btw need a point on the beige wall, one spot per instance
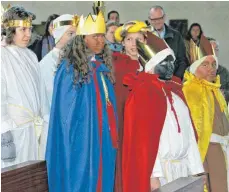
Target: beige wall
(213, 16)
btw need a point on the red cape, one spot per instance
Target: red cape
(144, 117)
(123, 65)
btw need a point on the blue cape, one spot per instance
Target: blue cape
(73, 148)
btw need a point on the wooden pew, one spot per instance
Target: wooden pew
(30, 176)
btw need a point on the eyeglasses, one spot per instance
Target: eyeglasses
(157, 19)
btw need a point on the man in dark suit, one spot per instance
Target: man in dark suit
(173, 38)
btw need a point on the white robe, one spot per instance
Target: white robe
(48, 66)
(23, 110)
(178, 154)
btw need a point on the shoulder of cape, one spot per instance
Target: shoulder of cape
(192, 92)
(5, 50)
(177, 80)
(63, 68)
(152, 88)
(119, 56)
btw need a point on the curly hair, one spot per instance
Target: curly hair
(14, 13)
(77, 54)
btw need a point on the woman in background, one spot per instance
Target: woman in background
(192, 39)
(46, 44)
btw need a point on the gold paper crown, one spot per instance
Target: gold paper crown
(74, 22)
(15, 23)
(197, 52)
(153, 46)
(19, 23)
(91, 25)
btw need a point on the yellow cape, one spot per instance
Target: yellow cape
(200, 99)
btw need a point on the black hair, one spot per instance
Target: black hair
(109, 14)
(189, 36)
(48, 22)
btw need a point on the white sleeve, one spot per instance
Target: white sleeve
(48, 67)
(45, 112)
(194, 160)
(157, 170)
(6, 122)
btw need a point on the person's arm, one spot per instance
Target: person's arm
(156, 174)
(224, 79)
(187, 48)
(181, 60)
(157, 170)
(44, 106)
(7, 141)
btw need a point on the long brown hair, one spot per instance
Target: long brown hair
(77, 54)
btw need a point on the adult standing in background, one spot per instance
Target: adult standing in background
(47, 42)
(113, 16)
(192, 39)
(173, 38)
(111, 26)
(222, 71)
